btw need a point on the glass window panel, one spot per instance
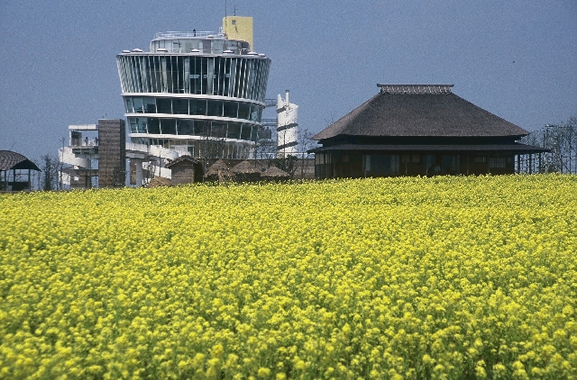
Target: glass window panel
(137, 102)
(153, 126)
(197, 107)
(180, 106)
(255, 113)
(218, 129)
(214, 108)
(141, 125)
(245, 134)
(233, 130)
(133, 126)
(202, 128)
(230, 109)
(163, 105)
(185, 127)
(168, 126)
(149, 105)
(128, 104)
(243, 111)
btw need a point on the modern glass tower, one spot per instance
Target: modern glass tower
(196, 92)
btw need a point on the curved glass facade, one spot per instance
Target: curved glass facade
(189, 89)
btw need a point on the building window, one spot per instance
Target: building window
(180, 106)
(497, 162)
(163, 105)
(198, 107)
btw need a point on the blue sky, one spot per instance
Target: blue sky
(516, 59)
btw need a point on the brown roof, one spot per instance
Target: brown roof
(13, 160)
(419, 110)
(182, 159)
(220, 172)
(274, 172)
(245, 167)
(215, 168)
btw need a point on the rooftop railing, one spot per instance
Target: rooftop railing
(193, 34)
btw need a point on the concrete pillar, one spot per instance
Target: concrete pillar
(138, 166)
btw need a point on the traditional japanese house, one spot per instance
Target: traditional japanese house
(418, 130)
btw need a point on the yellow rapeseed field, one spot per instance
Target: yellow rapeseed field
(399, 278)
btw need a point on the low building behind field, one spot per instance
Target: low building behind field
(419, 130)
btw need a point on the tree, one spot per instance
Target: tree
(49, 177)
(561, 140)
(306, 143)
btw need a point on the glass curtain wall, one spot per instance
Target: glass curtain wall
(237, 77)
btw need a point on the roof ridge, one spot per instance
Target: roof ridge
(436, 89)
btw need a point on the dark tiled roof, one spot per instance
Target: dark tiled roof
(183, 159)
(13, 160)
(510, 148)
(420, 110)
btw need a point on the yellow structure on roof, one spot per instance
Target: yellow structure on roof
(238, 28)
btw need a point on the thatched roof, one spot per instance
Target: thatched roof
(159, 182)
(419, 111)
(275, 173)
(12, 160)
(220, 172)
(245, 167)
(217, 167)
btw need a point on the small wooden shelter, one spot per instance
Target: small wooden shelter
(219, 172)
(185, 169)
(246, 172)
(15, 171)
(274, 174)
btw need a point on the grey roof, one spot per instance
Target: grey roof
(512, 148)
(419, 110)
(12, 160)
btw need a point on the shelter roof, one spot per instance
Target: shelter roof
(217, 167)
(12, 160)
(184, 158)
(274, 172)
(420, 110)
(245, 167)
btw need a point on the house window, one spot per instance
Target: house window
(382, 164)
(479, 159)
(411, 158)
(497, 162)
